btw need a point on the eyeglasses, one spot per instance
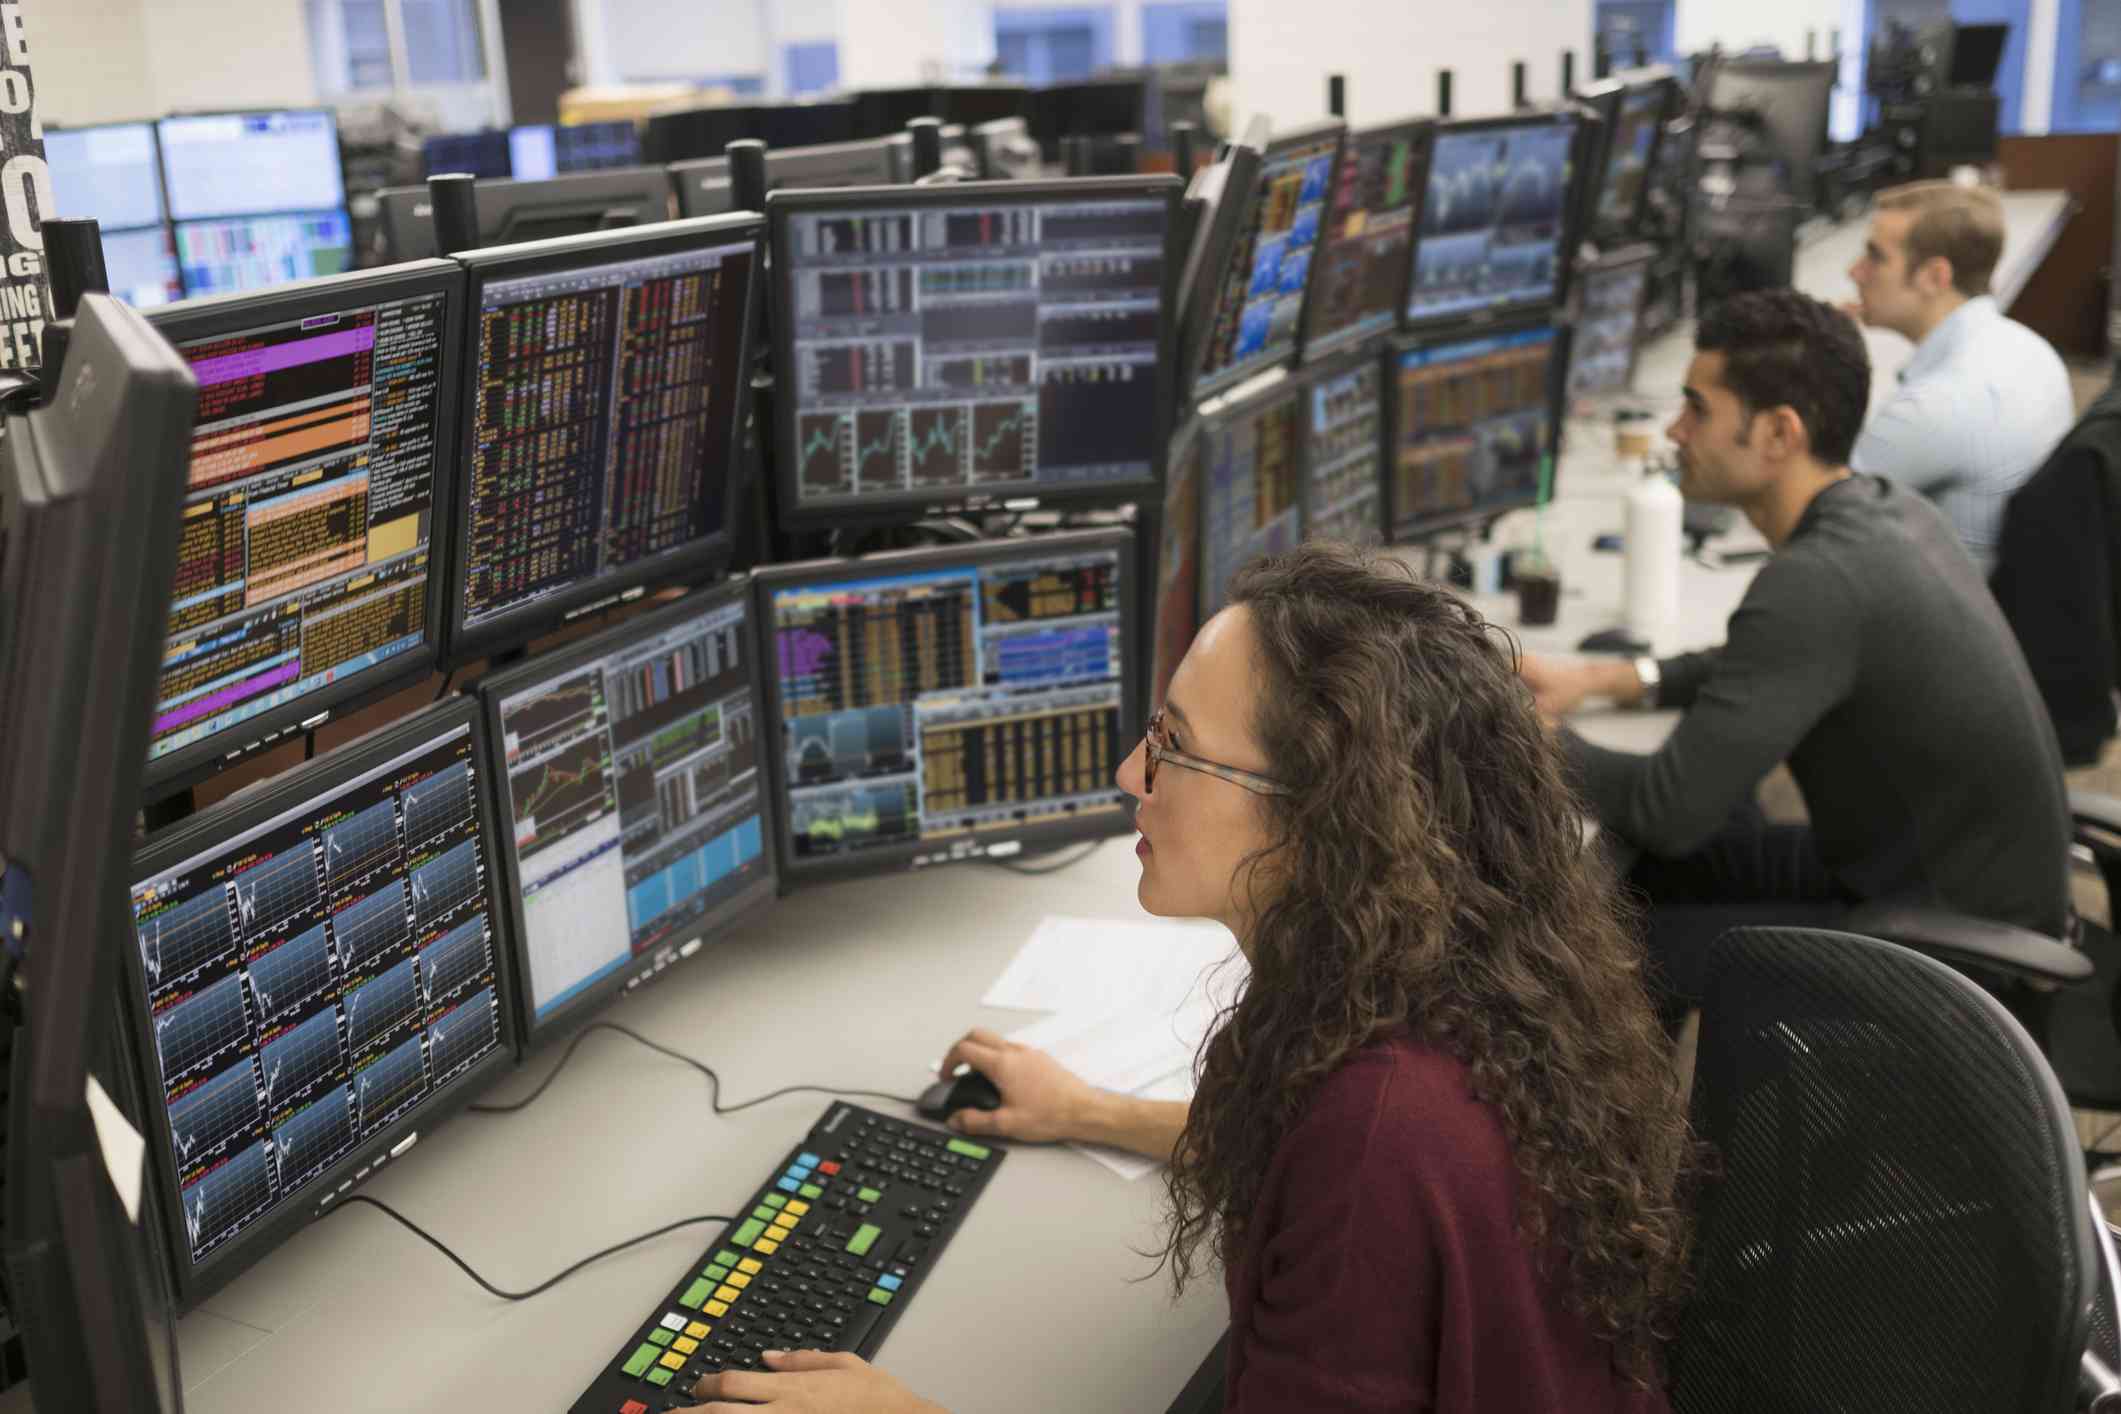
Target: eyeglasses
(1161, 750)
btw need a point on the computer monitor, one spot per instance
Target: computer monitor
(787, 125)
(89, 492)
(316, 977)
(957, 152)
(1251, 485)
(1258, 311)
(1471, 420)
(1609, 323)
(880, 112)
(113, 176)
(1176, 607)
(1344, 450)
(962, 345)
(320, 466)
(1220, 198)
(936, 705)
(1491, 240)
(1783, 109)
(703, 186)
(243, 253)
(580, 147)
(682, 134)
(482, 154)
(1363, 253)
(634, 806)
(1630, 143)
(512, 212)
(1976, 54)
(258, 198)
(1090, 108)
(974, 104)
(603, 392)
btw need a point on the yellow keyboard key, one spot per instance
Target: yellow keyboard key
(684, 1345)
(766, 1246)
(780, 1234)
(717, 1308)
(727, 1293)
(699, 1330)
(751, 1266)
(672, 1360)
(798, 1207)
(739, 1280)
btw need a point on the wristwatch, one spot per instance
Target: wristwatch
(1652, 679)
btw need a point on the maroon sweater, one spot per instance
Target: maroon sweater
(1384, 1270)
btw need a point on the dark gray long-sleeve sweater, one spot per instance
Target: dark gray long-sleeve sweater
(1869, 655)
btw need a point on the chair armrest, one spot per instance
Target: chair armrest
(2101, 812)
(1962, 940)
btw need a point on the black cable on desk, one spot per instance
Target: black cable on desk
(544, 1286)
(1051, 866)
(707, 1070)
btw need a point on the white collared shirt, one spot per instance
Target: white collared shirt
(1979, 407)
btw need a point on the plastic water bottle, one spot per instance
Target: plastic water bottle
(1653, 541)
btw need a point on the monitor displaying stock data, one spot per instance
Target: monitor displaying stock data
(112, 175)
(1608, 324)
(636, 816)
(1473, 418)
(1259, 306)
(315, 974)
(1490, 239)
(258, 198)
(962, 345)
(306, 563)
(1369, 232)
(1343, 457)
(1631, 148)
(1251, 486)
(602, 398)
(937, 705)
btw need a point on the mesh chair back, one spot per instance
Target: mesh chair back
(1897, 1218)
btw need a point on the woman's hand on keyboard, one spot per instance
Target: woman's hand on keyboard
(809, 1382)
(1042, 1100)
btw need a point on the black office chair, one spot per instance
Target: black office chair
(1898, 1219)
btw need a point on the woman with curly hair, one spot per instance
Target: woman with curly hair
(1436, 1141)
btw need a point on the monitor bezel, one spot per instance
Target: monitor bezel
(1210, 599)
(782, 206)
(338, 161)
(1641, 255)
(1491, 319)
(1399, 531)
(916, 855)
(409, 210)
(211, 316)
(685, 565)
(194, 1282)
(1379, 356)
(574, 656)
(1334, 345)
(1202, 385)
(1660, 81)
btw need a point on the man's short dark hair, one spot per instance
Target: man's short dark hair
(1780, 349)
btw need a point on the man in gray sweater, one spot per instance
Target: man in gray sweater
(1868, 654)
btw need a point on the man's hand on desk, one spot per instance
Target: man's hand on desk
(1043, 1101)
(809, 1382)
(1559, 688)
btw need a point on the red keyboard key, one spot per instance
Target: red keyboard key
(828, 1168)
(633, 1406)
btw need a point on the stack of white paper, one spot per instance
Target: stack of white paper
(1129, 1003)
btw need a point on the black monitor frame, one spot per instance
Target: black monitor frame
(572, 657)
(1659, 81)
(1228, 188)
(682, 134)
(828, 122)
(311, 781)
(1201, 385)
(1627, 258)
(1448, 323)
(1422, 133)
(216, 315)
(687, 564)
(1399, 530)
(826, 165)
(782, 206)
(408, 212)
(897, 858)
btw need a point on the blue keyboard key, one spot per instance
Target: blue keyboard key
(788, 1185)
(800, 1175)
(890, 1283)
(808, 1161)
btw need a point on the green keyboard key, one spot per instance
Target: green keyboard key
(880, 1296)
(660, 1376)
(696, 1294)
(725, 1258)
(864, 1238)
(748, 1233)
(969, 1150)
(716, 1274)
(763, 1213)
(775, 1200)
(661, 1337)
(811, 1190)
(868, 1195)
(642, 1360)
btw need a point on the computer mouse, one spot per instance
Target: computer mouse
(1613, 640)
(970, 1091)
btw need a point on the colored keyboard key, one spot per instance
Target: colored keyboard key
(864, 1238)
(966, 1149)
(643, 1360)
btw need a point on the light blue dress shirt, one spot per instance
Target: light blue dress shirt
(1979, 407)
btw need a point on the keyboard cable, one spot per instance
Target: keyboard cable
(703, 1068)
(544, 1286)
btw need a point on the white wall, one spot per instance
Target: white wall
(891, 43)
(90, 62)
(1282, 50)
(682, 39)
(1736, 24)
(101, 60)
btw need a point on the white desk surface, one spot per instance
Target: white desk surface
(1041, 1302)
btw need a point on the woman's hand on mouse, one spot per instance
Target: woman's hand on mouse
(808, 1382)
(1042, 1099)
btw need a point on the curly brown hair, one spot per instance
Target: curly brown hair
(1430, 874)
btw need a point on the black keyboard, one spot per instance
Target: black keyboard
(824, 1257)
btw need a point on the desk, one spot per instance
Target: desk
(1034, 1305)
